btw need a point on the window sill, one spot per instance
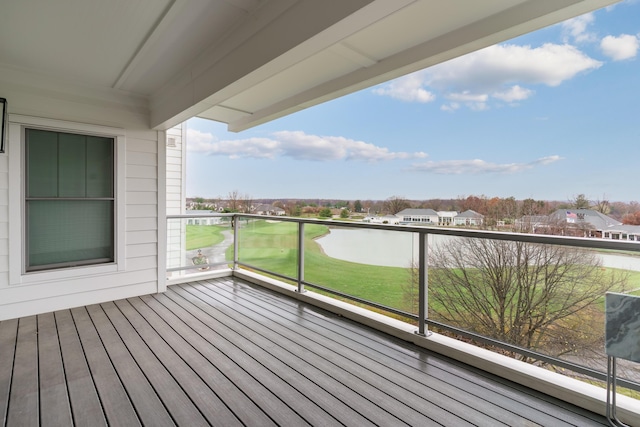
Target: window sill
(36, 277)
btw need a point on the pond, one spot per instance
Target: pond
(398, 249)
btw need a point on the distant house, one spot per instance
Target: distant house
(529, 223)
(580, 223)
(446, 217)
(265, 209)
(468, 217)
(203, 220)
(584, 216)
(622, 232)
(422, 216)
(386, 219)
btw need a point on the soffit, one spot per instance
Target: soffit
(244, 62)
(417, 35)
(89, 42)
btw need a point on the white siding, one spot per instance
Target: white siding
(176, 198)
(139, 228)
(4, 219)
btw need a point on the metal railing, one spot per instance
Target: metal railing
(424, 233)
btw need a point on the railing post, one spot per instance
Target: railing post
(235, 223)
(301, 257)
(423, 280)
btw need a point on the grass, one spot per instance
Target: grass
(273, 246)
(201, 236)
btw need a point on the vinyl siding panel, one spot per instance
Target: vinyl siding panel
(142, 184)
(4, 220)
(140, 224)
(175, 188)
(143, 249)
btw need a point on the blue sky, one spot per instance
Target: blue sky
(549, 115)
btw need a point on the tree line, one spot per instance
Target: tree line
(495, 210)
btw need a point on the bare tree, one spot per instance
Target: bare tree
(233, 200)
(395, 204)
(532, 207)
(246, 203)
(531, 295)
(237, 202)
(602, 205)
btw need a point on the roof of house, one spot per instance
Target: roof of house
(625, 228)
(418, 212)
(469, 214)
(598, 220)
(266, 207)
(241, 62)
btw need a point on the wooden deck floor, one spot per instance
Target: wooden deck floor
(226, 353)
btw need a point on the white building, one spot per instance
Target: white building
(468, 217)
(446, 218)
(422, 216)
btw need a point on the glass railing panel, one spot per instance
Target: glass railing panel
(541, 297)
(370, 264)
(269, 245)
(198, 244)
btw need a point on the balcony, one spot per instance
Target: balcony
(226, 352)
(269, 342)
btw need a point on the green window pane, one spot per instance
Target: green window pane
(77, 226)
(99, 167)
(72, 165)
(64, 231)
(42, 163)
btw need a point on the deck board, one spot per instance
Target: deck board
(346, 374)
(116, 406)
(470, 388)
(224, 352)
(8, 334)
(87, 408)
(54, 397)
(23, 399)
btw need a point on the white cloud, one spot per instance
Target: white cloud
(577, 29)
(494, 67)
(467, 96)
(409, 88)
(497, 72)
(297, 145)
(206, 143)
(478, 166)
(451, 107)
(513, 94)
(620, 48)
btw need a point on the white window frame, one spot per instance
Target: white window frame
(17, 262)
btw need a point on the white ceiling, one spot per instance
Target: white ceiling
(244, 62)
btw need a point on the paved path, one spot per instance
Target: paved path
(215, 253)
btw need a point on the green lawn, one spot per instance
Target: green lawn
(201, 236)
(273, 246)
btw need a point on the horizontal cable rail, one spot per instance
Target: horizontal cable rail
(577, 242)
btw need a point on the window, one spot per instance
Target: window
(69, 199)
